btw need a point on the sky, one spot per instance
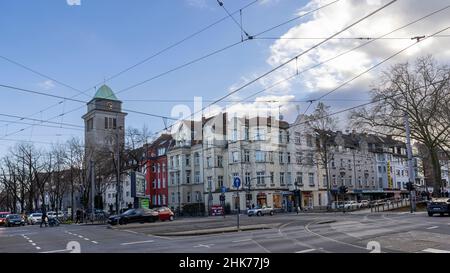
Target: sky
(76, 45)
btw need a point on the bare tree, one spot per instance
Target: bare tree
(324, 124)
(421, 92)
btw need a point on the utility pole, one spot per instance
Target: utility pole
(91, 163)
(118, 171)
(412, 193)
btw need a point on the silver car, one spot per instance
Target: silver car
(34, 218)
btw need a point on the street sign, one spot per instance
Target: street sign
(224, 189)
(237, 182)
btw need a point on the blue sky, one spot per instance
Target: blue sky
(81, 45)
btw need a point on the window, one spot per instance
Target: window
(298, 157)
(260, 134)
(324, 180)
(188, 177)
(173, 197)
(175, 162)
(311, 179)
(109, 195)
(246, 133)
(235, 157)
(110, 123)
(188, 160)
(219, 161)
(287, 137)
(260, 156)
(197, 177)
(310, 159)
(289, 178)
(220, 181)
(247, 179)
(272, 177)
(281, 178)
(379, 169)
(188, 197)
(128, 193)
(172, 180)
(280, 157)
(209, 162)
(288, 157)
(380, 182)
(260, 178)
(280, 136)
(198, 196)
(234, 135)
(196, 159)
(246, 156)
(209, 179)
(90, 124)
(299, 178)
(309, 140)
(297, 139)
(270, 157)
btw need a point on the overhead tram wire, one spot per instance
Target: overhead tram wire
(76, 100)
(348, 51)
(294, 58)
(359, 106)
(216, 52)
(378, 64)
(128, 68)
(183, 65)
(344, 38)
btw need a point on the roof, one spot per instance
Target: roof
(105, 92)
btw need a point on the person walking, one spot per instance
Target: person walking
(78, 219)
(44, 218)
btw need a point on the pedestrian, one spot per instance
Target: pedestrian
(78, 219)
(297, 209)
(44, 219)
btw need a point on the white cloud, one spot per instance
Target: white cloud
(47, 85)
(197, 3)
(73, 2)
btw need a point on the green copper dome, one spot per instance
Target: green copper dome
(104, 92)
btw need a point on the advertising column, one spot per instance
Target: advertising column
(138, 189)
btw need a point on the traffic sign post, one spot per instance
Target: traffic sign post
(237, 184)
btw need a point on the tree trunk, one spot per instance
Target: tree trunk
(436, 172)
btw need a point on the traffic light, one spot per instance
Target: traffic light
(343, 189)
(410, 186)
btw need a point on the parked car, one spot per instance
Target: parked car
(364, 203)
(34, 218)
(3, 215)
(438, 205)
(134, 216)
(14, 220)
(52, 214)
(165, 213)
(260, 211)
(351, 205)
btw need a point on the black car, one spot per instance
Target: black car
(134, 216)
(439, 205)
(14, 220)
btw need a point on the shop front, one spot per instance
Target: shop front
(307, 200)
(261, 199)
(277, 200)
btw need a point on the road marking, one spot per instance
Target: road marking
(33, 244)
(433, 250)
(86, 239)
(201, 245)
(94, 242)
(243, 240)
(140, 242)
(305, 251)
(38, 248)
(30, 241)
(79, 236)
(130, 231)
(55, 251)
(433, 227)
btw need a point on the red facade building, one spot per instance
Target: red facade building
(156, 170)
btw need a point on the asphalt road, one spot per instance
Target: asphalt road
(284, 233)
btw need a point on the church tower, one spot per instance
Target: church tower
(104, 123)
